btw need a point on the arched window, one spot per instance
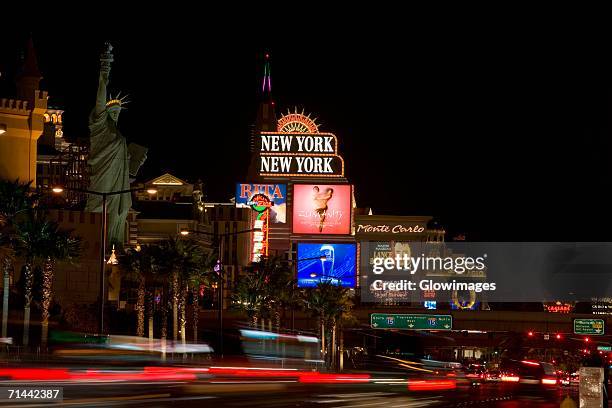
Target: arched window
(54, 118)
(47, 118)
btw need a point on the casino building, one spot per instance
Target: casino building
(305, 205)
(300, 197)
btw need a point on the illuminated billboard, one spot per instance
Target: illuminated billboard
(299, 154)
(333, 263)
(322, 209)
(261, 204)
(277, 193)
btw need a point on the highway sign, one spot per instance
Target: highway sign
(411, 321)
(594, 327)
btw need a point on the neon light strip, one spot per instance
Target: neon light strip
(300, 154)
(301, 175)
(302, 134)
(306, 175)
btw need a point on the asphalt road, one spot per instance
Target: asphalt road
(251, 394)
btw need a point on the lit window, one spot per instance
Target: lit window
(47, 118)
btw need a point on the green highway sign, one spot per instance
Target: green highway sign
(411, 321)
(594, 327)
(604, 348)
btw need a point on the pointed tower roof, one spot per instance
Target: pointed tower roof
(266, 115)
(30, 63)
(28, 80)
(266, 87)
(265, 120)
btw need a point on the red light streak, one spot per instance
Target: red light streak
(333, 378)
(431, 385)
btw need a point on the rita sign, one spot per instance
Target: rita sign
(276, 193)
(268, 201)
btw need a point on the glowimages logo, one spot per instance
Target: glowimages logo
(414, 264)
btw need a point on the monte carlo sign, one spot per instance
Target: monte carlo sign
(390, 228)
(299, 154)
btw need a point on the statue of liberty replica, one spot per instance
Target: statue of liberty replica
(110, 160)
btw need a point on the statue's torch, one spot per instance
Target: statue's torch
(106, 57)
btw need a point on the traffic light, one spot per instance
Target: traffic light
(530, 334)
(558, 336)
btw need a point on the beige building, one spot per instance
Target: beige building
(22, 122)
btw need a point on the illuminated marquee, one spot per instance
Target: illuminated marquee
(393, 229)
(297, 122)
(261, 204)
(299, 154)
(558, 307)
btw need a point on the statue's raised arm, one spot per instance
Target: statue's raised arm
(105, 64)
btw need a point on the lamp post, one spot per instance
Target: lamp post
(103, 227)
(218, 268)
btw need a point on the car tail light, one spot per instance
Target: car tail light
(431, 385)
(510, 378)
(549, 381)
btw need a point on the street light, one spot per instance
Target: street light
(218, 268)
(59, 189)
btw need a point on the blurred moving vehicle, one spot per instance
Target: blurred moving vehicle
(493, 376)
(575, 378)
(476, 374)
(397, 368)
(529, 377)
(120, 349)
(565, 380)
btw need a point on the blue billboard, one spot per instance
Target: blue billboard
(333, 263)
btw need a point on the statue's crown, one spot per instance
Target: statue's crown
(116, 101)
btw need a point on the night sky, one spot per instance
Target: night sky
(502, 134)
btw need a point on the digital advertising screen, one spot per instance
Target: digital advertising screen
(277, 193)
(322, 209)
(321, 262)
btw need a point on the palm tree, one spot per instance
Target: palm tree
(203, 274)
(136, 263)
(60, 245)
(179, 258)
(331, 305)
(15, 198)
(250, 296)
(265, 290)
(279, 281)
(31, 236)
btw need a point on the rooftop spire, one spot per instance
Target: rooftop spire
(266, 86)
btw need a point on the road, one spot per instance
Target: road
(279, 393)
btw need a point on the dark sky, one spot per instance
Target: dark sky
(500, 133)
